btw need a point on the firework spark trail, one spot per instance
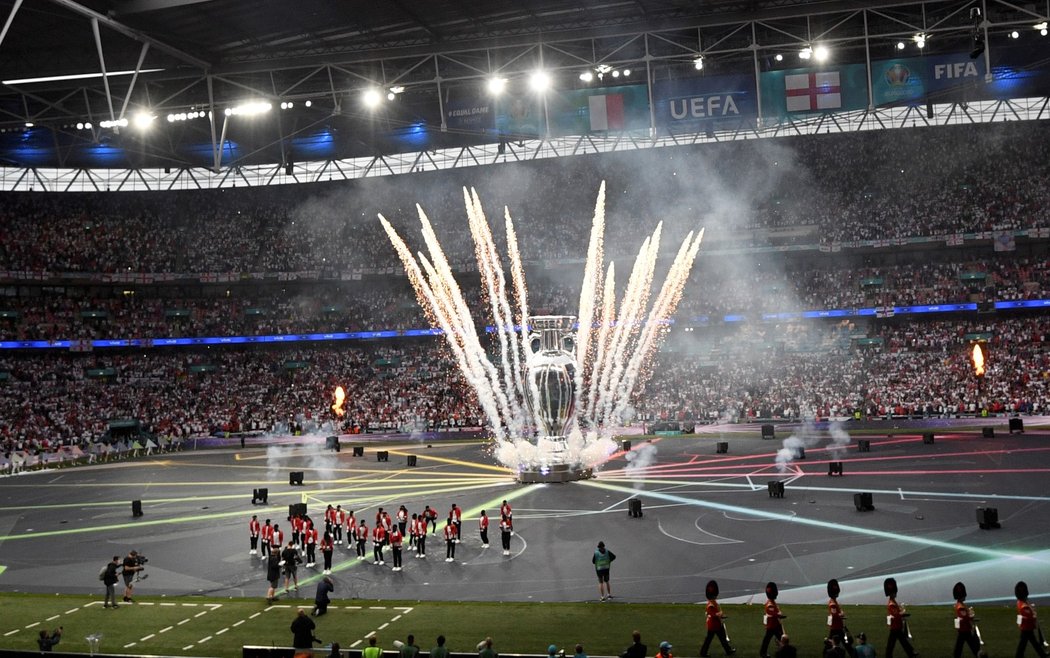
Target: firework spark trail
(521, 295)
(436, 310)
(491, 271)
(656, 327)
(588, 292)
(604, 332)
(635, 299)
(605, 368)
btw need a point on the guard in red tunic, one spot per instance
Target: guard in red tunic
(297, 529)
(329, 519)
(310, 539)
(456, 514)
(431, 515)
(836, 618)
(1027, 622)
(351, 528)
(254, 530)
(505, 532)
(402, 519)
(327, 548)
(395, 539)
(421, 537)
(276, 539)
(965, 624)
(362, 537)
(450, 541)
(483, 527)
(378, 540)
(388, 523)
(771, 619)
(337, 527)
(716, 626)
(505, 510)
(895, 617)
(265, 534)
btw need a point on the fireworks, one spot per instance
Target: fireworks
(339, 396)
(978, 360)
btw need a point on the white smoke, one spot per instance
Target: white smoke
(321, 464)
(840, 440)
(787, 454)
(638, 460)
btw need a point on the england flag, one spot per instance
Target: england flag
(809, 92)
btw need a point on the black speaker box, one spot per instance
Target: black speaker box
(382, 455)
(988, 432)
(834, 468)
(634, 508)
(927, 438)
(295, 478)
(136, 508)
(1016, 425)
(863, 445)
(863, 502)
(260, 496)
(722, 447)
(625, 446)
(776, 488)
(297, 509)
(988, 518)
(359, 451)
(331, 443)
(768, 433)
(410, 460)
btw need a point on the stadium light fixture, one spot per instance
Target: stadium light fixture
(627, 73)
(778, 57)
(496, 85)
(587, 76)
(540, 81)
(371, 98)
(805, 53)
(1041, 27)
(820, 53)
(698, 63)
(615, 74)
(115, 123)
(1015, 34)
(142, 120)
(308, 103)
(900, 45)
(920, 40)
(250, 108)
(29, 124)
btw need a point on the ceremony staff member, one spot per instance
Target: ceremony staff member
(771, 619)
(456, 515)
(297, 529)
(431, 515)
(265, 534)
(395, 547)
(388, 523)
(450, 541)
(964, 623)
(412, 532)
(602, 561)
(378, 540)
(254, 529)
(131, 567)
(273, 576)
(715, 622)
(1027, 622)
(276, 539)
(329, 518)
(505, 510)
(337, 527)
(895, 614)
(836, 623)
(310, 537)
(402, 519)
(290, 558)
(483, 526)
(421, 537)
(351, 528)
(505, 533)
(110, 579)
(321, 599)
(327, 547)
(362, 537)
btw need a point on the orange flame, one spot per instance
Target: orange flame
(340, 396)
(978, 360)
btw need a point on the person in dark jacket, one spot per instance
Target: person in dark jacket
(637, 649)
(110, 581)
(47, 641)
(321, 600)
(273, 576)
(302, 631)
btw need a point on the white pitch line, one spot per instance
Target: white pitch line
(52, 617)
(203, 640)
(377, 607)
(69, 612)
(187, 647)
(236, 624)
(201, 613)
(183, 621)
(8, 633)
(395, 619)
(370, 635)
(255, 615)
(35, 623)
(130, 644)
(143, 639)
(189, 605)
(383, 626)
(166, 629)
(145, 603)
(169, 604)
(355, 644)
(217, 633)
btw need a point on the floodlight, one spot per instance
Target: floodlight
(616, 74)
(626, 72)
(805, 53)
(540, 81)
(496, 85)
(586, 76)
(820, 53)
(778, 57)
(900, 45)
(390, 96)
(371, 98)
(698, 63)
(29, 124)
(142, 120)
(308, 103)
(1015, 34)
(1041, 27)
(920, 40)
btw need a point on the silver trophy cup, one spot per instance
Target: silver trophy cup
(551, 378)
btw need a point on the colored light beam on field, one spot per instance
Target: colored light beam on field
(838, 527)
(503, 470)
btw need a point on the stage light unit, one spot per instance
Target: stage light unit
(900, 45)
(371, 98)
(540, 81)
(29, 124)
(142, 120)
(496, 85)
(778, 57)
(308, 103)
(820, 53)
(1015, 34)
(115, 123)
(615, 74)
(698, 63)
(1041, 27)
(920, 40)
(626, 73)
(587, 76)
(805, 53)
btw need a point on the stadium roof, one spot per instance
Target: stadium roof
(187, 57)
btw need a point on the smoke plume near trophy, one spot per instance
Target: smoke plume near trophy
(554, 392)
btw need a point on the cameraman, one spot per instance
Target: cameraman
(132, 565)
(302, 631)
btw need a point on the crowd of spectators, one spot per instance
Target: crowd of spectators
(869, 185)
(734, 373)
(388, 302)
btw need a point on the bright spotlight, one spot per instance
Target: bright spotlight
(371, 98)
(821, 53)
(540, 81)
(805, 53)
(308, 103)
(284, 105)
(586, 76)
(29, 124)
(228, 111)
(920, 40)
(1015, 34)
(87, 125)
(171, 118)
(496, 85)
(1041, 27)
(626, 72)
(900, 45)
(698, 63)
(778, 57)
(80, 126)
(616, 74)
(142, 120)
(390, 96)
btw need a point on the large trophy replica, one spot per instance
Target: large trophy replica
(550, 378)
